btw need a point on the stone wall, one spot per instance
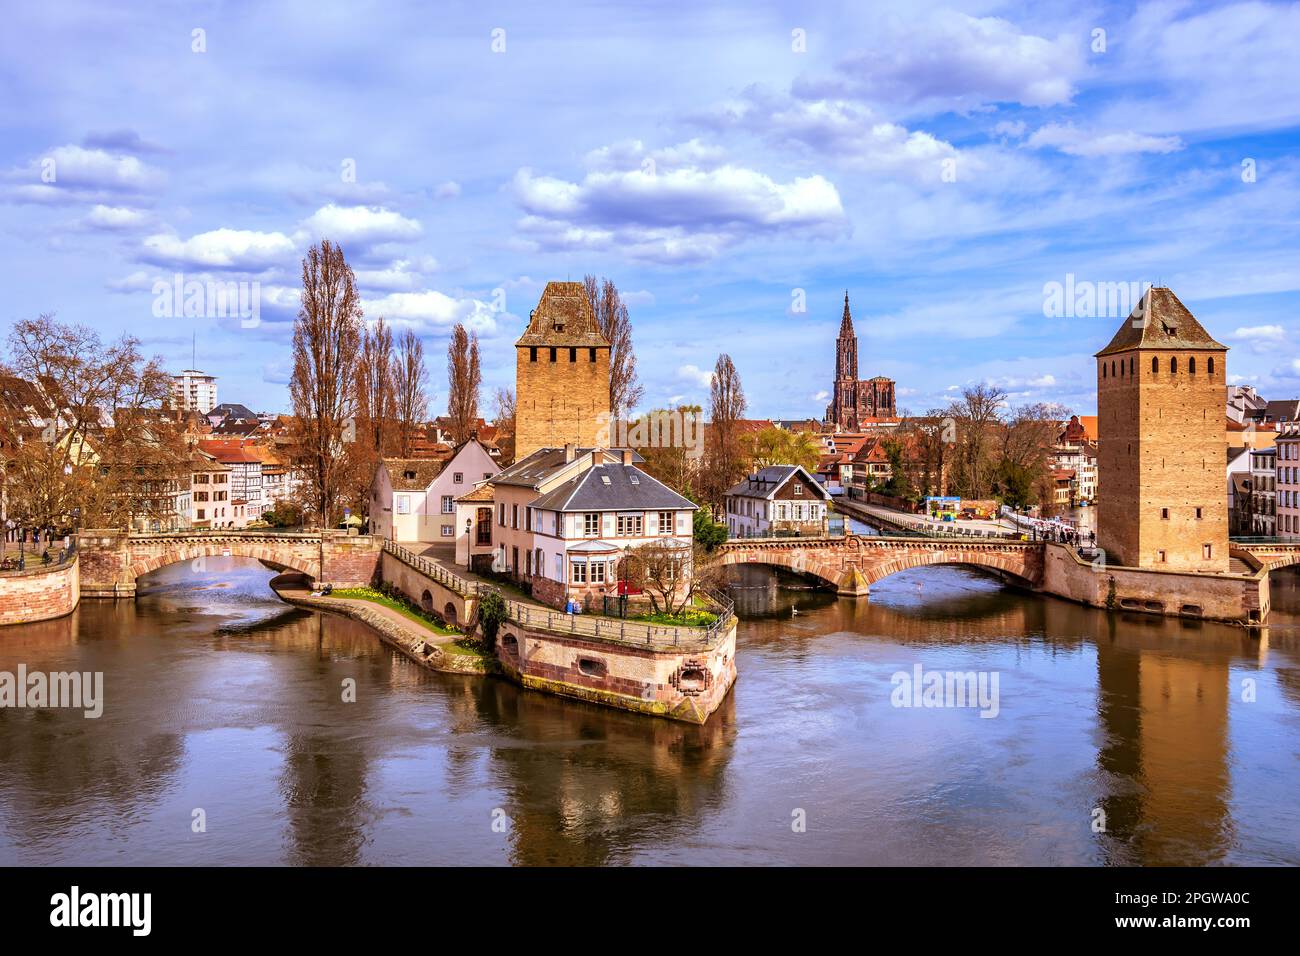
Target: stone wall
(560, 402)
(1178, 593)
(453, 607)
(680, 685)
(39, 593)
(1160, 459)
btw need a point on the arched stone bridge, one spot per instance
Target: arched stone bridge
(112, 560)
(852, 563)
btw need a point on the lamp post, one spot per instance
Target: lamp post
(469, 542)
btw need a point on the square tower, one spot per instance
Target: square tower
(561, 374)
(1161, 397)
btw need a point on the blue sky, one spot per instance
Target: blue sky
(943, 164)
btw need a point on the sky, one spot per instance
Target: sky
(734, 168)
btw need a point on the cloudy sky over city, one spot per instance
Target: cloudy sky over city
(732, 168)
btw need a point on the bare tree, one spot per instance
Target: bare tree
(977, 415)
(326, 341)
(376, 396)
(85, 432)
(724, 451)
(410, 383)
(669, 575)
(612, 317)
(505, 424)
(463, 381)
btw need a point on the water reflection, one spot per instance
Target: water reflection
(221, 698)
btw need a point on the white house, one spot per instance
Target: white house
(779, 499)
(414, 499)
(565, 517)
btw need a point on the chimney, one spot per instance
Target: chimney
(568, 452)
(627, 456)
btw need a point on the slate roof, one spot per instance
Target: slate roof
(532, 471)
(612, 487)
(563, 317)
(1283, 410)
(1160, 321)
(765, 482)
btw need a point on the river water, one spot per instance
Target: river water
(1118, 739)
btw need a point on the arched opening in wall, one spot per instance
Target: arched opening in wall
(510, 643)
(449, 613)
(426, 601)
(692, 680)
(592, 667)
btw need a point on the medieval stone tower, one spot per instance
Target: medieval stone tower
(561, 373)
(1160, 410)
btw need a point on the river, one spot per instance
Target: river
(1118, 739)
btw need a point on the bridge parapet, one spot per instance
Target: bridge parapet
(112, 560)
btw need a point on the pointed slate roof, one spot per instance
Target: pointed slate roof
(563, 317)
(1160, 321)
(846, 323)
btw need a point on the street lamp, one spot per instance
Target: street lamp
(469, 542)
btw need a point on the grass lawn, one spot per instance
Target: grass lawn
(688, 618)
(377, 597)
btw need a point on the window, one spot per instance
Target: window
(665, 522)
(528, 563)
(559, 567)
(1207, 551)
(448, 530)
(532, 354)
(1132, 365)
(1164, 512)
(630, 525)
(457, 478)
(501, 514)
(578, 572)
(201, 514)
(487, 475)
(1103, 370)
(591, 355)
(1160, 557)
(552, 355)
(528, 519)
(1209, 363)
(403, 504)
(591, 524)
(448, 505)
(1191, 366)
(1155, 364)
(598, 572)
(798, 512)
(1198, 513)
(514, 518)
(1173, 365)
(798, 489)
(573, 355)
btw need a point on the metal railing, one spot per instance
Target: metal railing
(636, 633)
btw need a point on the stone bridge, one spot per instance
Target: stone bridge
(111, 560)
(852, 563)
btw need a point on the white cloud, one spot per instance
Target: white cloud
(821, 396)
(364, 225)
(447, 190)
(431, 311)
(1077, 142)
(693, 373)
(1269, 333)
(401, 274)
(238, 249)
(955, 62)
(114, 218)
(672, 215)
(74, 173)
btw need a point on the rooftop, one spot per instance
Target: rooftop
(1160, 321)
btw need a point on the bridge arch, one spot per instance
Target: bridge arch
(284, 558)
(853, 563)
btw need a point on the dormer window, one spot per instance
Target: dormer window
(408, 474)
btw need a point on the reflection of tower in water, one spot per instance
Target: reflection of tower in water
(1164, 715)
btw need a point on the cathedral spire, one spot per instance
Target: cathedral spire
(846, 323)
